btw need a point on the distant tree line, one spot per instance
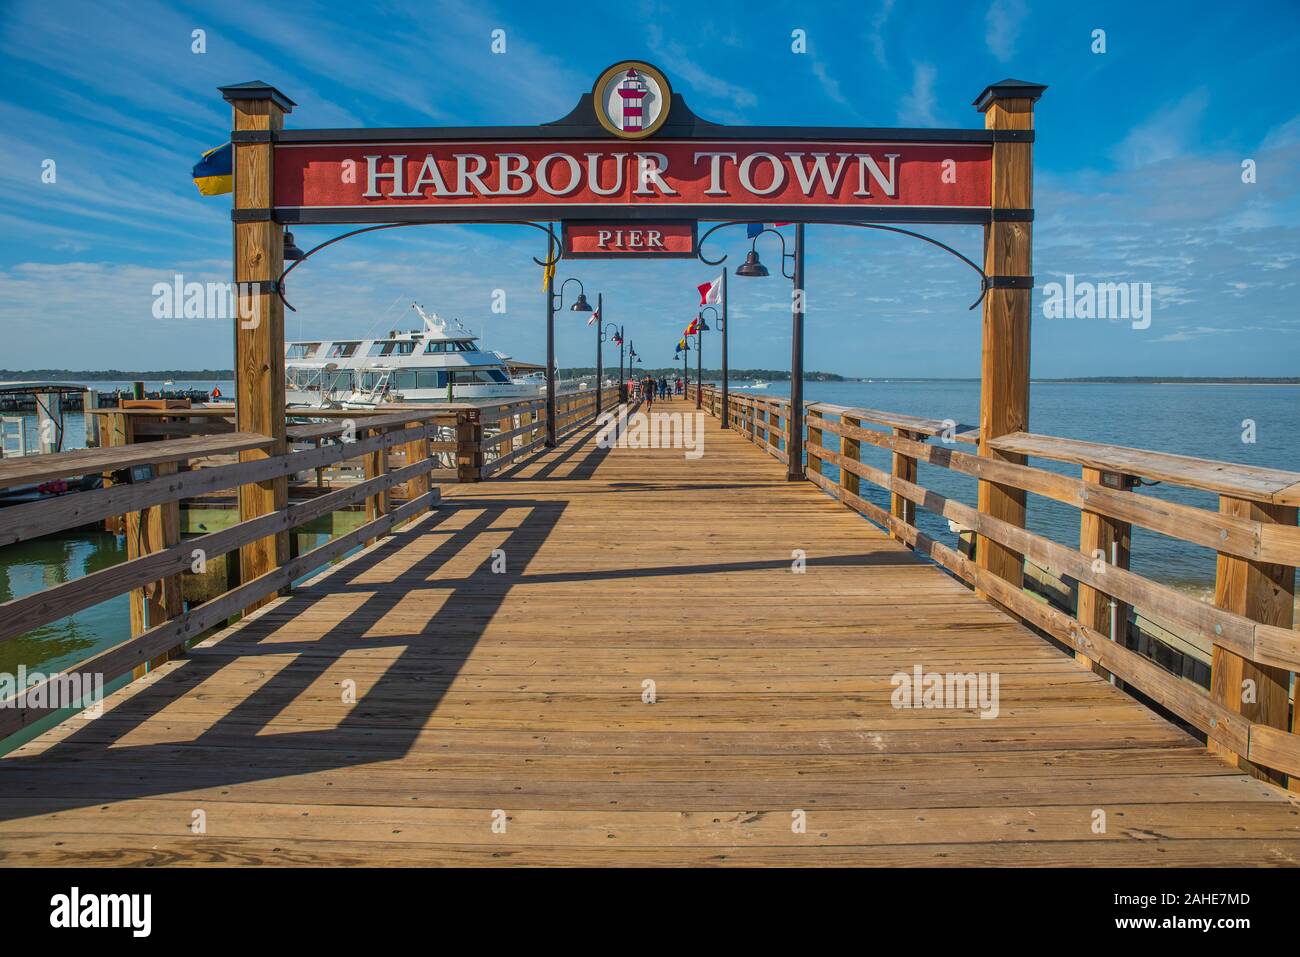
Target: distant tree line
(110, 375)
(734, 375)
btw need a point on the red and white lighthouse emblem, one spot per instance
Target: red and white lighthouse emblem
(633, 91)
(632, 99)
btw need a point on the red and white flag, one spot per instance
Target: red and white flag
(594, 317)
(711, 292)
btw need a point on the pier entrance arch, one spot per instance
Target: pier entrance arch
(629, 173)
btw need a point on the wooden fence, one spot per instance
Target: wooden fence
(154, 459)
(1246, 710)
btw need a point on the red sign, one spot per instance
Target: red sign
(688, 177)
(628, 240)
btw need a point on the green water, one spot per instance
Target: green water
(32, 566)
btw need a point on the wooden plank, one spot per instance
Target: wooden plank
(29, 470)
(1226, 478)
(1265, 593)
(30, 519)
(1107, 541)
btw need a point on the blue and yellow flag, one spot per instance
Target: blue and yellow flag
(214, 174)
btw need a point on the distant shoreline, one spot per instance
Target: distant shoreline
(227, 375)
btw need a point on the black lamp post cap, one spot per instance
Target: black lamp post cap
(581, 305)
(291, 250)
(751, 266)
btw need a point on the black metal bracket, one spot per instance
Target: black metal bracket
(1007, 215)
(1010, 282)
(263, 214)
(254, 136)
(1012, 136)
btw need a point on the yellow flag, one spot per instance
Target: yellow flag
(548, 271)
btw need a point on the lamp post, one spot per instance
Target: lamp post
(686, 363)
(554, 300)
(632, 359)
(600, 366)
(721, 325)
(794, 418)
(701, 327)
(619, 338)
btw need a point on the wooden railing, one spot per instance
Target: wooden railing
(154, 459)
(1245, 712)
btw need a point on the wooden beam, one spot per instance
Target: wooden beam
(1004, 368)
(151, 530)
(904, 467)
(259, 327)
(1105, 540)
(1264, 593)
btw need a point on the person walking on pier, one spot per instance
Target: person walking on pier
(648, 390)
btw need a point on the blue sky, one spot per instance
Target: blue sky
(1138, 172)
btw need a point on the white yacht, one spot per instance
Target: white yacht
(431, 364)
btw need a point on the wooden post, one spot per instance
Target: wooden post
(90, 402)
(813, 447)
(259, 112)
(150, 531)
(850, 449)
(49, 416)
(904, 467)
(417, 450)
(118, 430)
(1008, 261)
(375, 464)
(469, 446)
(1109, 538)
(1265, 593)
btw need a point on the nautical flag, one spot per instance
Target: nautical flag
(213, 174)
(692, 328)
(753, 229)
(710, 292)
(548, 271)
(618, 339)
(594, 317)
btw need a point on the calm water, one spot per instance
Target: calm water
(1199, 420)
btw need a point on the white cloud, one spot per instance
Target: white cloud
(916, 108)
(1002, 26)
(1166, 134)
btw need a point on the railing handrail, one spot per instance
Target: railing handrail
(1236, 537)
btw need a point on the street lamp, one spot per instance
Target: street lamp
(555, 300)
(721, 325)
(701, 327)
(684, 347)
(753, 266)
(618, 337)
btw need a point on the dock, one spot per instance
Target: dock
(598, 654)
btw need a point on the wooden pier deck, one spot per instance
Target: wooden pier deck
(484, 697)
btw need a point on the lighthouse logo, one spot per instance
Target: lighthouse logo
(632, 99)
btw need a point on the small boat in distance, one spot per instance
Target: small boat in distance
(430, 364)
(756, 384)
